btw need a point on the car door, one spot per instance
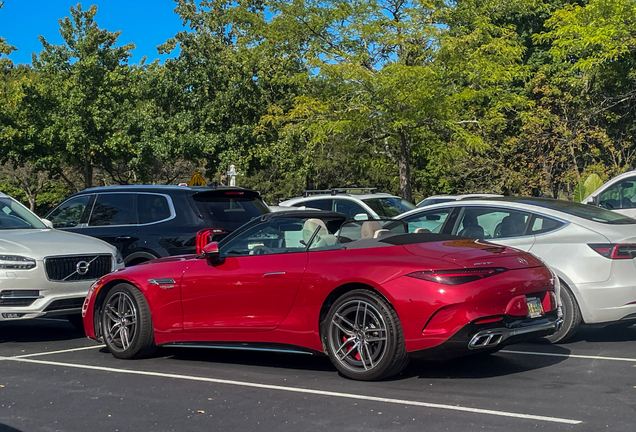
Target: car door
(253, 284)
(114, 220)
(505, 226)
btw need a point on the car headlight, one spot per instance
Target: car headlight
(16, 262)
(119, 258)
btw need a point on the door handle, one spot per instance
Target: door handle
(123, 238)
(274, 274)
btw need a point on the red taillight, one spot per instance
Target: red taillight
(234, 193)
(457, 277)
(549, 301)
(204, 237)
(614, 251)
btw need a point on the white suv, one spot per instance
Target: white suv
(43, 271)
(359, 203)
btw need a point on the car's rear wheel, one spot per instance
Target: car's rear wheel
(126, 323)
(571, 317)
(363, 336)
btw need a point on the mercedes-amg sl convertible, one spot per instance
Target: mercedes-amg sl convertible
(366, 293)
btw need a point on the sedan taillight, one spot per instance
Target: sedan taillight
(457, 276)
(614, 251)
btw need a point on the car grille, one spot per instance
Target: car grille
(77, 267)
(72, 303)
(18, 297)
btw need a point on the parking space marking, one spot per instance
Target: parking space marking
(54, 352)
(300, 390)
(590, 357)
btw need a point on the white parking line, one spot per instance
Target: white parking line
(301, 390)
(625, 359)
(53, 352)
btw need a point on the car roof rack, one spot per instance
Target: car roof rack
(335, 191)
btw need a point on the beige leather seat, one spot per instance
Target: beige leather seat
(381, 233)
(422, 230)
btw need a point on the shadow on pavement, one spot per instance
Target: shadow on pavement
(38, 330)
(264, 359)
(610, 333)
(483, 366)
(475, 366)
(5, 428)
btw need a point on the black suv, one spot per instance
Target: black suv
(148, 222)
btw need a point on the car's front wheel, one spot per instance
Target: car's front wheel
(363, 336)
(126, 323)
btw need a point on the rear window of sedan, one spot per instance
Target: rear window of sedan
(584, 211)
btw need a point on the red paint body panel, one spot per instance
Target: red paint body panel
(232, 301)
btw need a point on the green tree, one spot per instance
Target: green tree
(5, 49)
(85, 101)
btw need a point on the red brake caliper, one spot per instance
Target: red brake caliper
(357, 356)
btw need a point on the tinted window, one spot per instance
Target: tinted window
(349, 208)
(490, 223)
(228, 211)
(69, 214)
(112, 209)
(388, 207)
(542, 224)
(324, 204)
(620, 195)
(152, 208)
(432, 221)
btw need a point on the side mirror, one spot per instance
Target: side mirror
(211, 250)
(361, 217)
(48, 223)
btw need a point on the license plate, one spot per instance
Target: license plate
(535, 307)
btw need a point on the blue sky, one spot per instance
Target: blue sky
(146, 23)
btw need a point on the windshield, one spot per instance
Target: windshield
(14, 215)
(585, 211)
(388, 207)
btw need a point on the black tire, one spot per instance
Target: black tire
(77, 321)
(571, 317)
(127, 323)
(358, 319)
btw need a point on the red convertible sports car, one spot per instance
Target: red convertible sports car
(369, 294)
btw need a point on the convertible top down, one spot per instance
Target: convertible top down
(366, 293)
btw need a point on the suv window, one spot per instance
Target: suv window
(322, 204)
(489, 223)
(112, 209)
(69, 214)
(389, 207)
(349, 208)
(152, 208)
(229, 209)
(432, 221)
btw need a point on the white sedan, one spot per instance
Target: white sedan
(591, 249)
(43, 271)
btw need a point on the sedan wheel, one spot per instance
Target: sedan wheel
(571, 317)
(363, 336)
(126, 323)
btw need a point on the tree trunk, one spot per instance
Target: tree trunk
(404, 167)
(88, 173)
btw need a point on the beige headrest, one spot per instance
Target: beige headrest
(309, 227)
(369, 228)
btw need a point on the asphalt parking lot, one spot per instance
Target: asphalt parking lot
(54, 379)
